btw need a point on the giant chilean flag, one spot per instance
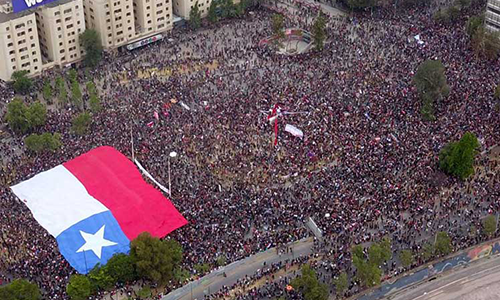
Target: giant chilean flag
(95, 204)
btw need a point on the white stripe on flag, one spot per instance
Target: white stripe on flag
(57, 199)
(294, 130)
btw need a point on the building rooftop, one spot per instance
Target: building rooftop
(11, 16)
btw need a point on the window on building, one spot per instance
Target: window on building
(69, 26)
(57, 13)
(67, 11)
(33, 53)
(58, 21)
(13, 60)
(11, 52)
(30, 29)
(32, 45)
(61, 51)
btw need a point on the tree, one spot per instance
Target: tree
(464, 3)
(406, 258)
(91, 89)
(375, 254)
(36, 114)
(195, 16)
(212, 12)
(76, 93)
(202, 268)
(490, 225)
(20, 289)
(181, 274)
(155, 259)
(453, 12)
(93, 47)
(34, 143)
(100, 279)
(144, 293)
(72, 75)
(44, 142)
(496, 94)
(341, 283)
(16, 116)
(368, 272)
(473, 24)
(443, 243)
(22, 84)
(318, 32)
(61, 90)
(486, 43)
(47, 91)
(79, 287)
(431, 85)
(81, 123)
(457, 158)
(359, 4)
(95, 104)
(427, 251)
(386, 249)
(308, 284)
(278, 23)
(121, 268)
(221, 260)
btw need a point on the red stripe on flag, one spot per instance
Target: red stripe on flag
(113, 179)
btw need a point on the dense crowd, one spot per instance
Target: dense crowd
(366, 166)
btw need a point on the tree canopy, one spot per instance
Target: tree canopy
(22, 84)
(93, 47)
(155, 259)
(490, 225)
(79, 287)
(486, 43)
(318, 32)
(443, 243)
(457, 158)
(121, 268)
(341, 283)
(309, 285)
(430, 81)
(22, 118)
(195, 16)
(406, 258)
(20, 289)
(278, 23)
(43, 142)
(81, 123)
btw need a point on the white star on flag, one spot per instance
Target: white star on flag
(95, 242)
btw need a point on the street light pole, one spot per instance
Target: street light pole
(169, 181)
(171, 155)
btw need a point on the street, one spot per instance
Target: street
(480, 280)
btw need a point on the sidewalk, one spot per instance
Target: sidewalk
(212, 282)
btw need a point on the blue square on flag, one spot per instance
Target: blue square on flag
(92, 241)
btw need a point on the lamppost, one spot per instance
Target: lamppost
(170, 156)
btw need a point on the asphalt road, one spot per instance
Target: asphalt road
(477, 281)
(212, 282)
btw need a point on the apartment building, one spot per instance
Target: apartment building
(182, 8)
(152, 16)
(492, 16)
(113, 19)
(59, 25)
(19, 45)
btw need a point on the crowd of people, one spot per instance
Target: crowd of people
(366, 166)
